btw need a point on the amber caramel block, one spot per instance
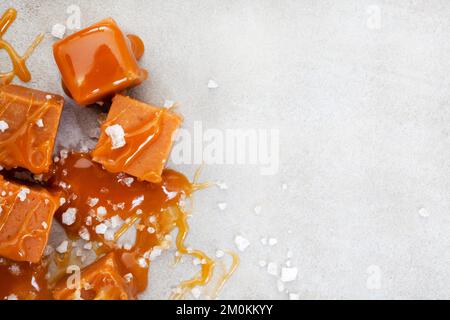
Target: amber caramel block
(29, 121)
(149, 134)
(101, 280)
(26, 215)
(97, 62)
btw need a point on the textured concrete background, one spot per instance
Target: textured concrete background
(360, 91)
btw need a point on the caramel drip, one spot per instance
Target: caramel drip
(20, 143)
(137, 139)
(225, 277)
(19, 62)
(207, 265)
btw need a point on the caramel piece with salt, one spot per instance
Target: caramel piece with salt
(148, 137)
(29, 121)
(26, 215)
(101, 280)
(99, 61)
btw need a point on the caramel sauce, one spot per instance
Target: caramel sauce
(19, 62)
(23, 280)
(153, 209)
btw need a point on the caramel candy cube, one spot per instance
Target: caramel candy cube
(29, 121)
(26, 215)
(97, 62)
(136, 139)
(101, 280)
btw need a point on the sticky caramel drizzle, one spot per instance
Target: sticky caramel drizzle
(20, 144)
(207, 264)
(137, 139)
(159, 210)
(19, 62)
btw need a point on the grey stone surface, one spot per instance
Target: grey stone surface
(360, 93)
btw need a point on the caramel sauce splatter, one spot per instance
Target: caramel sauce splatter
(19, 62)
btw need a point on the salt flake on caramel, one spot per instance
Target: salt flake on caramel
(148, 132)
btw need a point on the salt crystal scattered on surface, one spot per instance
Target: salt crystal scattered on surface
(62, 248)
(23, 194)
(219, 253)
(294, 296)
(221, 185)
(424, 213)
(101, 228)
(196, 292)
(288, 274)
(58, 30)
(69, 216)
(257, 210)
(272, 241)
(40, 123)
(212, 84)
(168, 103)
(222, 205)
(241, 243)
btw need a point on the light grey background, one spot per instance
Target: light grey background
(360, 91)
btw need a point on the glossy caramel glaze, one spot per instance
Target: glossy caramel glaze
(26, 215)
(149, 133)
(18, 62)
(23, 280)
(99, 61)
(26, 144)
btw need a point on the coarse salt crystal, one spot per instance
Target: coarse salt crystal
(69, 216)
(92, 202)
(101, 228)
(117, 135)
(294, 296)
(62, 248)
(196, 292)
(219, 253)
(241, 243)
(84, 234)
(40, 123)
(128, 277)
(222, 205)
(212, 84)
(288, 274)
(58, 30)
(23, 194)
(101, 211)
(3, 126)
